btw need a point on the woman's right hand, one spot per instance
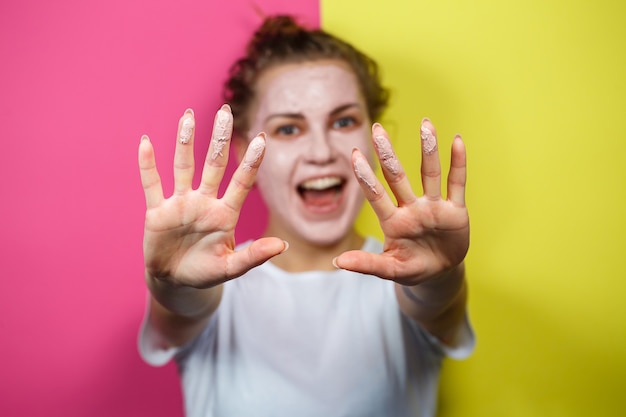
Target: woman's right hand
(189, 237)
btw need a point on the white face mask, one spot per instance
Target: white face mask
(314, 115)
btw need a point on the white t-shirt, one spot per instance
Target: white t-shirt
(308, 344)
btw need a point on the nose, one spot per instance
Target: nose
(320, 149)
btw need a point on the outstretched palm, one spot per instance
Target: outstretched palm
(424, 236)
(189, 237)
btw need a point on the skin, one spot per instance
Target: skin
(311, 130)
(314, 115)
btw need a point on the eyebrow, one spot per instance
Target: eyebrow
(300, 116)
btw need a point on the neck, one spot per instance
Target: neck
(304, 255)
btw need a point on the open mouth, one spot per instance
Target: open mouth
(321, 192)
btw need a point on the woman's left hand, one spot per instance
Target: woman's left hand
(425, 236)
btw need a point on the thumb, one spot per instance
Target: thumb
(258, 252)
(366, 263)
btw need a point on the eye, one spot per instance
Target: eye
(287, 130)
(344, 122)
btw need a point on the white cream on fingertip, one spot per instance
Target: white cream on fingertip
(186, 130)
(429, 141)
(223, 122)
(386, 154)
(365, 174)
(223, 129)
(254, 152)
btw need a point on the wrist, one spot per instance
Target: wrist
(439, 290)
(183, 300)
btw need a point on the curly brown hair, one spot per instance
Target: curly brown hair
(281, 40)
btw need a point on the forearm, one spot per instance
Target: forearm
(180, 313)
(438, 305)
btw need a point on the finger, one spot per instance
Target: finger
(372, 188)
(365, 262)
(392, 169)
(183, 155)
(150, 179)
(431, 169)
(217, 155)
(458, 172)
(244, 176)
(254, 254)
(380, 265)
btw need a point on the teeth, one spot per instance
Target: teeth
(321, 183)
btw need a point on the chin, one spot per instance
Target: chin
(327, 232)
(325, 239)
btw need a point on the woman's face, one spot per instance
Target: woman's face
(314, 115)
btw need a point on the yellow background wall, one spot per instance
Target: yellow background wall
(538, 90)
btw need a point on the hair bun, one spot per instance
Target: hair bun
(275, 29)
(281, 40)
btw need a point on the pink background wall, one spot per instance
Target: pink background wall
(80, 82)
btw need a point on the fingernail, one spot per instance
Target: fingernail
(226, 107)
(189, 111)
(145, 137)
(335, 262)
(286, 246)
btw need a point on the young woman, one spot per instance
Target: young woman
(312, 319)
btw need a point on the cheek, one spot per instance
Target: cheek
(358, 139)
(268, 173)
(276, 167)
(281, 155)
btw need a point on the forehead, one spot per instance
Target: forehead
(308, 86)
